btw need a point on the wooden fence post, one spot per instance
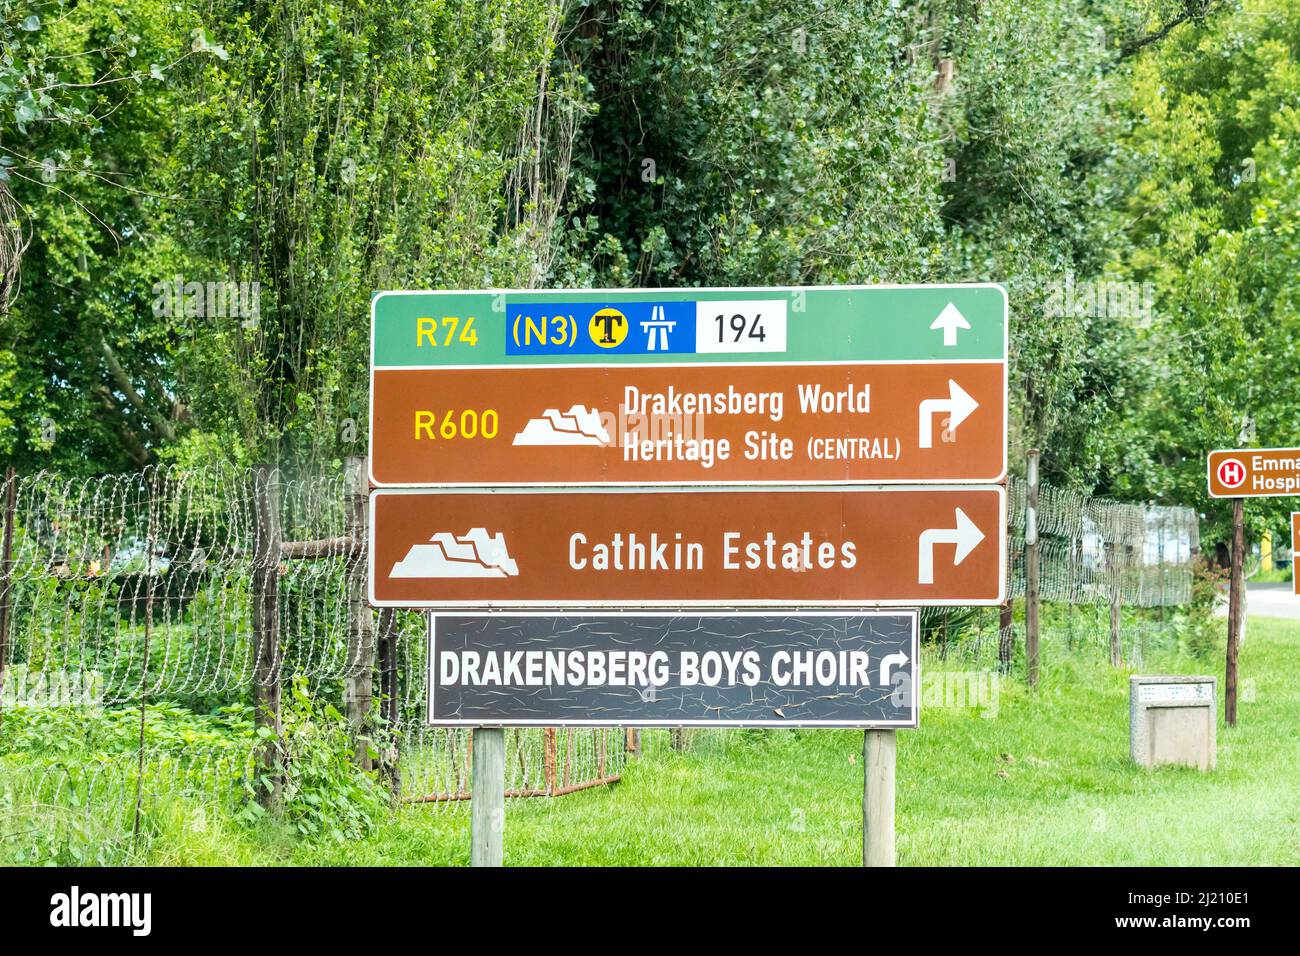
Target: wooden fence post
(550, 760)
(6, 577)
(358, 687)
(1031, 569)
(390, 694)
(1116, 644)
(151, 489)
(266, 625)
(1113, 532)
(1236, 606)
(1006, 619)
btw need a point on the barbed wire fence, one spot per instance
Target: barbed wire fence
(216, 585)
(177, 584)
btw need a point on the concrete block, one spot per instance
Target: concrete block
(1172, 720)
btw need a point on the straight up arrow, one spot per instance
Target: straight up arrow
(958, 405)
(950, 320)
(965, 536)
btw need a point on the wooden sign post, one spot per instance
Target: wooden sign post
(488, 803)
(878, 758)
(1240, 473)
(1295, 547)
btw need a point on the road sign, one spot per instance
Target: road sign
(835, 385)
(700, 547)
(715, 669)
(1253, 472)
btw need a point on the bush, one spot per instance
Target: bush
(324, 793)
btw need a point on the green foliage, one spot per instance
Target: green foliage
(339, 149)
(740, 143)
(324, 794)
(1202, 634)
(1210, 198)
(84, 173)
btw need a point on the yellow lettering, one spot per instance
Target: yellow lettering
(424, 329)
(425, 421)
(532, 329)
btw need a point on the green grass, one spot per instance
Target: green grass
(1273, 576)
(1047, 781)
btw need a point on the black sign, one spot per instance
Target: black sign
(674, 669)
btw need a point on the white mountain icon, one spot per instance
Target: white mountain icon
(578, 426)
(472, 555)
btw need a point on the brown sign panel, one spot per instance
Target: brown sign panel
(1253, 472)
(700, 547)
(689, 424)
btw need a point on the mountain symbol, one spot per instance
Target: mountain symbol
(473, 555)
(578, 426)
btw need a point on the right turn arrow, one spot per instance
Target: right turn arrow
(958, 405)
(965, 536)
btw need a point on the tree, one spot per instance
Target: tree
(83, 119)
(1211, 158)
(339, 149)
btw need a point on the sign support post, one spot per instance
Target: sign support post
(1295, 546)
(1031, 570)
(488, 797)
(879, 750)
(1236, 602)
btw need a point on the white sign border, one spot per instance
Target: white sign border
(1209, 474)
(910, 724)
(376, 493)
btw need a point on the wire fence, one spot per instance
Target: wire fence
(143, 587)
(1094, 551)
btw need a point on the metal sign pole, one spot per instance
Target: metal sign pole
(488, 797)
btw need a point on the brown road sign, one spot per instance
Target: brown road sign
(700, 424)
(701, 547)
(1253, 472)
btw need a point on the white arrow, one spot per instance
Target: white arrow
(958, 405)
(965, 536)
(950, 320)
(900, 659)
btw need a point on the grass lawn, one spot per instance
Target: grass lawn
(1046, 781)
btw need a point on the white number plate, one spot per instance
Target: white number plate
(752, 325)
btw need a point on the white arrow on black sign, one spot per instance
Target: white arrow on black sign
(958, 405)
(888, 663)
(965, 536)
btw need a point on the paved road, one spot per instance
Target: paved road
(1268, 600)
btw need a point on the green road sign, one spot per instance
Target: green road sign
(919, 323)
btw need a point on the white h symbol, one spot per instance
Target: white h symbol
(1232, 472)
